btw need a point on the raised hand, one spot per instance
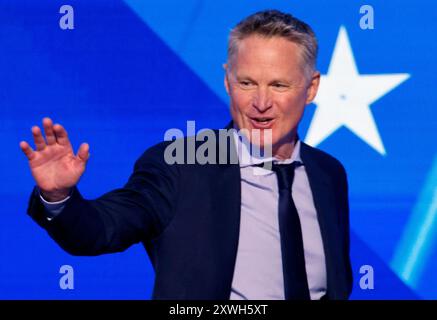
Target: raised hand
(54, 166)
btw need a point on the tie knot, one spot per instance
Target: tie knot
(285, 174)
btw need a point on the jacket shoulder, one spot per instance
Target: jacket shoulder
(182, 150)
(323, 159)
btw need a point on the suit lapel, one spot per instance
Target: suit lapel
(226, 186)
(324, 202)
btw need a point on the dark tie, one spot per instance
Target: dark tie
(293, 259)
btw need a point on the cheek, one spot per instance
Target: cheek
(291, 109)
(240, 102)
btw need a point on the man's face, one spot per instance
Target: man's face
(268, 89)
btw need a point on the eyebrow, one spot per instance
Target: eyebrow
(239, 78)
(282, 81)
(278, 80)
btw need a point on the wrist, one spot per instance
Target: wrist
(55, 196)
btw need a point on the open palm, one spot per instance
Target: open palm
(54, 166)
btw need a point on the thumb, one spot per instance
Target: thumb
(83, 152)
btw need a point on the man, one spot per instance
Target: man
(221, 230)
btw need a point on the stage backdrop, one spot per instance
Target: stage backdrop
(118, 74)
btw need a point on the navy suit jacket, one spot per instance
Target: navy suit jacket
(187, 216)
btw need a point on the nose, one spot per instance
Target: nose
(262, 100)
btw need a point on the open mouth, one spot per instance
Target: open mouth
(262, 122)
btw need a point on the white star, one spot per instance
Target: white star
(344, 98)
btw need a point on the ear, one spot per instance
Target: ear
(226, 81)
(313, 87)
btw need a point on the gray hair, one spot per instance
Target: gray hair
(274, 23)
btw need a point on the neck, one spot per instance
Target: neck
(285, 147)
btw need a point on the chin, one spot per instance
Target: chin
(265, 145)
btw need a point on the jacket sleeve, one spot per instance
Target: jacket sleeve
(111, 223)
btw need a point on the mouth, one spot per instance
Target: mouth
(262, 122)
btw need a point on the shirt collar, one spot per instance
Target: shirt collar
(246, 158)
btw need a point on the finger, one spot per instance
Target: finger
(48, 130)
(83, 152)
(27, 150)
(38, 138)
(61, 135)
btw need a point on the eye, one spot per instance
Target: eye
(246, 84)
(280, 86)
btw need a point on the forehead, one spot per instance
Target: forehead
(258, 54)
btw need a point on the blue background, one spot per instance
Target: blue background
(130, 70)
